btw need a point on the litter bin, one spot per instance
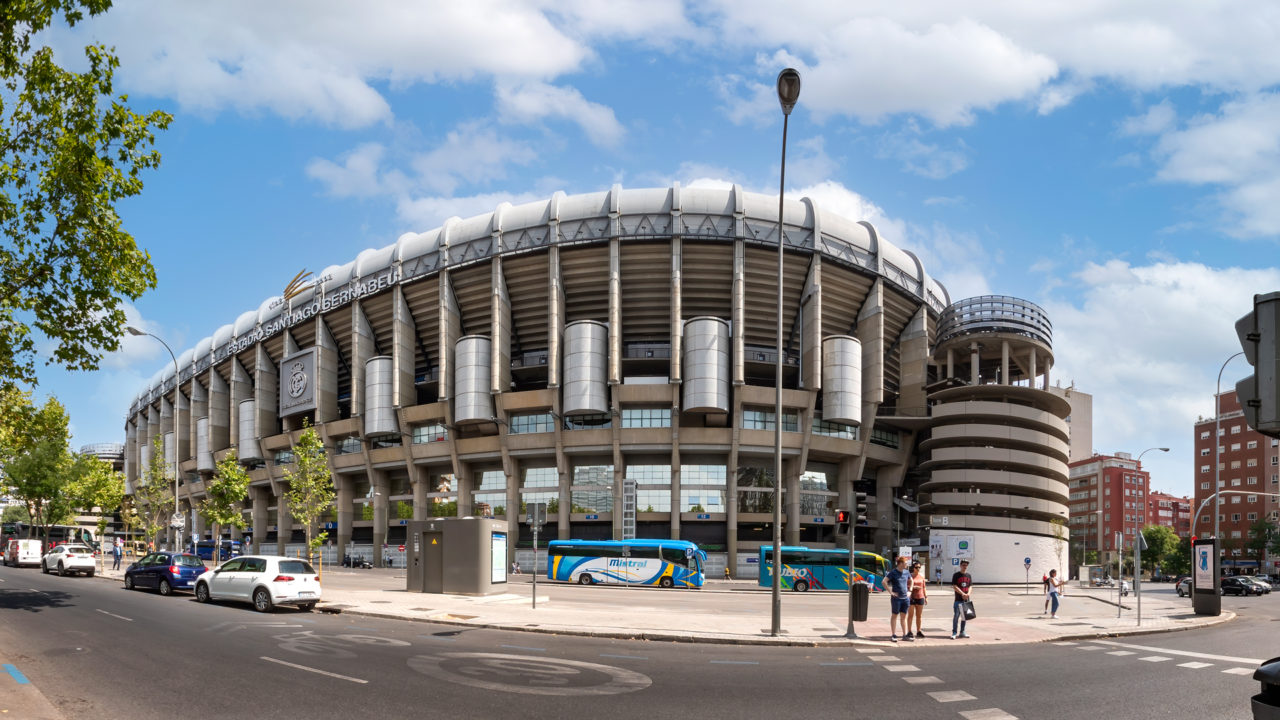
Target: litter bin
(860, 599)
(1266, 704)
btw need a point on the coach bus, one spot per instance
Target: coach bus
(56, 533)
(806, 568)
(664, 563)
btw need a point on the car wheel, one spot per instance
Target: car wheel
(128, 582)
(262, 600)
(89, 574)
(62, 571)
(800, 586)
(584, 579)
(202, 592)
(666, 582)
(307, 607)
(165, 588)
(44, 568)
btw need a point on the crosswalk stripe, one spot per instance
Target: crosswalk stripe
(1195, 665)
(1155, 658)
(1238, 671)
(1121, 653)
(944, 696)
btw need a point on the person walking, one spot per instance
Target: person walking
(937, 574)
(1054, 587)
(1044, 582)
(117, 549)
(896, 582)
(962, 584)
(918, 587)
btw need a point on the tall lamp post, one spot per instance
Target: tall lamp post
(1217, 447)
(788, 94)
(177, 410)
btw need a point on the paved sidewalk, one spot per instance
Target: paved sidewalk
(1005, 613)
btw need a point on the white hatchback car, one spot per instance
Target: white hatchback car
(67, 558)
(264, 580)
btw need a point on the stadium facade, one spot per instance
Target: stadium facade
(612, 354)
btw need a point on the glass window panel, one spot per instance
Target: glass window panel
(763, 419)
(650, 474)
(494, 503)
(707, 501)
(597, 500)
(646, 417)
(593, 475)
(754, 501)
(653, 501)
(545, 477)
(703, 475)
(432, 432)
(755, 477)
(532, 423)
(588, 422)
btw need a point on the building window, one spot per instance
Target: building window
(761, 419)
(887, 438)
(715, 475)
(701, 500)
(833, 429)
(1235, 464)
(1235, 534)
(284, 457)
(433, 432)
(489, 498)
(1235, 499)
(1253, 480)
(1250, 498)
(1204, 468)
(1235, 517)
(1235, 429)
(1235, 482)
(347, 446)
(1252, 444)
(646, 418)
(1204, 435)
(532, 423)
(541, 485)
(600, 421)
(1252, 462)
(1253, 517)
(592, 490)
(1204, 452)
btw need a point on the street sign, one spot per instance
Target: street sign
(178, 521)
(1026, 561)
(536, 514)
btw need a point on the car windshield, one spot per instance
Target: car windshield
(299, 567)
(187, 561)
(76, 549)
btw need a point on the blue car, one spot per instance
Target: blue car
(164, 571)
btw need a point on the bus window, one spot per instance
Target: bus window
(675, 556)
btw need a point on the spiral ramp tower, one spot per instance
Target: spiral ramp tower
(994, 465)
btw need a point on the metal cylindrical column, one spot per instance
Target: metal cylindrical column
(842, 380)
(472, 401)
(379, 400)
(586, 367)
(706, 365)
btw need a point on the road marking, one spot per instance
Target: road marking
(902, 668)
(1238, 671)
(1088, 647)
(734, 662)
(16, 673)
(1155, 658)
(886, 658)
(523, 647)
(1184, 653)
(625, 657)
(923, 680)
(1066, 643)
(1121, 653)
(1195, 665)
(845, 664)
(314, 670)
(987, 714)
(529, 675)
(951, 696)
(870, 651)
(121, 617)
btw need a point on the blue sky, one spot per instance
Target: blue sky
(1116, 165)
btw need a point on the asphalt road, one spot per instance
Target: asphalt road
(98, 651)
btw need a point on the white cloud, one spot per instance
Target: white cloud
(921, 158)
(357, 176)
(139, 350)
(425, 213)
(1147, 342)
(471, 153)
(533, 101)
(1158, 119)
(1061, 94)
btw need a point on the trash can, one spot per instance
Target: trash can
(1266, 704)
(860, 599)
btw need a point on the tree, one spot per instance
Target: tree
(228, 486)
(70, 153)
(94, 484)
(1260, 536)
(153, 495)
(1059, 538)
(1161, 543)
(38, 463)
(1179, 561)
(311, 489)
(15, 514)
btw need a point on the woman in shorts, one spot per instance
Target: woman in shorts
(918, 586)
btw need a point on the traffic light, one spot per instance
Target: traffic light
(860, 508)
(842, 522)
(1258, 393)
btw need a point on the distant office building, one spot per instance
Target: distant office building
(1079, 422)
(1108, 496)
(1247, 466)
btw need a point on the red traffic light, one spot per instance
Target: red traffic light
(842, 516)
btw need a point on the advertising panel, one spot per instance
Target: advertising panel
(1203, 570)
(498, 558)
(960, 547)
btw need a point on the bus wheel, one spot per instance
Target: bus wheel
(666, 582)
(584, 579)
(800, 586)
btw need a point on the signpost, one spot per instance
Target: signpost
(1026, 565)
(537, 517)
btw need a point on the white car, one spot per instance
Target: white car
(22, 552)
(264, 580)
(68, 558)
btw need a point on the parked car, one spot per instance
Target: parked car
(68, 558)
(1184, 587)
(264, 580)
(1238, 586)
(1265, 587)
(164, 571)
(22, 552)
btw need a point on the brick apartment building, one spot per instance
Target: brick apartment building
(1170, 511)
(1248, 463)
(1108, 495)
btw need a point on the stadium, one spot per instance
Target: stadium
(613, 354)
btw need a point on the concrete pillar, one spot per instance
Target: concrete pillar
(236, 534)
(219, 413)
(345, 498)
(951, 363)
(362, 349)
(381, 492)
(975, 364)
(261, 498)
(871, 335)
(284, 521)
(555, 317)
(1031, 381)
(420, 480)
(1004, 363)
(791, 486)
(914, 342)
(739, 311)
(403, 356)
(676, 334)
(241, 389)
(266, 393)
(326, 374)
(1048, 365)
(615, 312)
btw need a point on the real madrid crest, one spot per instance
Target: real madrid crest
(297, 379)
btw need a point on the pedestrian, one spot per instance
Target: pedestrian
(896, 581)
(962, 584)
(1054, 587)
(937, 574)
(1044, 581)
(117, 549)
(515, 568)
(918, 585)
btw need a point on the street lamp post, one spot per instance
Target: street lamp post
(788, 94)
(1217, 446)
(177, 410)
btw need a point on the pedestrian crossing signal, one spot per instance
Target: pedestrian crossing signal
(842, 521)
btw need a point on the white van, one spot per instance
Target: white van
(22, 552)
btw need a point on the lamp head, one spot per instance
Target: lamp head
(133, 330)
(788, 89)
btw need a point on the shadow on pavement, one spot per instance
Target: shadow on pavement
(34, 600)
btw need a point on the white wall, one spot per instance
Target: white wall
(998, 557)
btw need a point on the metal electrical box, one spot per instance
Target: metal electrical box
(460, 556)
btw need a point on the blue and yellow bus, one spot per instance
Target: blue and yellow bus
(664, 563)
(806, 569)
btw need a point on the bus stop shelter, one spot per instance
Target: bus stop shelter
(460, 556)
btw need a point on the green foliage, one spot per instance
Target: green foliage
(95, 485)
(1261, 535)
(227, 487)
(311, 489)
(70, 153)
(38, 463)
(15, 513)
(153, 495)
(1161, 543)
(404, 510)
(1178, 562)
